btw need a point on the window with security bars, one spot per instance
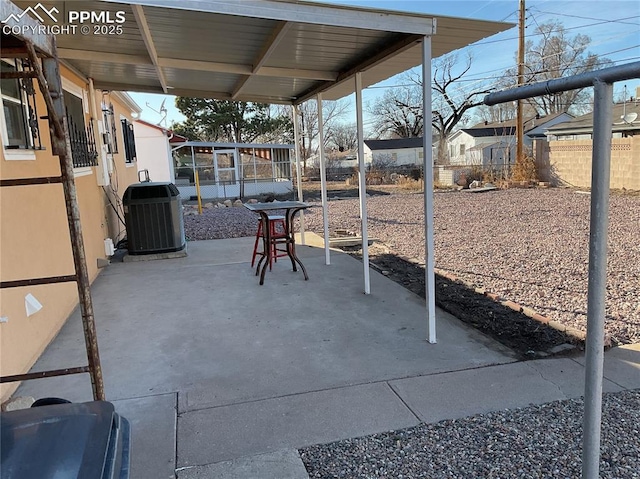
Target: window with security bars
(83, 146)
(20, 126)
(129, 141)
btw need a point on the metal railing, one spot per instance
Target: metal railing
(83, 145)
(602, 83)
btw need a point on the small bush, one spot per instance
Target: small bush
(524, 170)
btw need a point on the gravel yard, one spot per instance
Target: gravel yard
(533, 442)
(527, 245)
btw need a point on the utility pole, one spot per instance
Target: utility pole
(519, 119)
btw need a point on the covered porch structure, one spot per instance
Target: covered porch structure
(271, 51)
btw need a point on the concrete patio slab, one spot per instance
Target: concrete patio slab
(227, 432)
(622, 365)
(464, 393)
(568, 375)
(261, 369)
(211, 332)
(276, 465)
(153, 435)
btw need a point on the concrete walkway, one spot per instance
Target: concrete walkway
(223, 378)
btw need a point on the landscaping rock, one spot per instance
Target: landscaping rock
(20, 402)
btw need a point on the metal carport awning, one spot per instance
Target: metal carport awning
(274, 51)
(271, 51)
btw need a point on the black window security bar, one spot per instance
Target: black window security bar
(129, 141)
(83, 145)
(20, 72)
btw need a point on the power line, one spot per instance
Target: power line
(487, 42)
(587, 18)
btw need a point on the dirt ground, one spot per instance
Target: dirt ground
(526, 337)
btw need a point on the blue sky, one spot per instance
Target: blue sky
(613, 25)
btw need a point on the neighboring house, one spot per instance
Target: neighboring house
(494, 144)
(34, 233)
(394, 152)
(571, 149)
(154, 150)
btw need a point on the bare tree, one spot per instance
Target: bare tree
(558, 55)
(398, 113)
(308, 111)
(451, 102)
(343, 136)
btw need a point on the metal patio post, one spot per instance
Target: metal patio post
(296, 141)
(362, 185)
(597, 292)
(430, 295)
(323, 182)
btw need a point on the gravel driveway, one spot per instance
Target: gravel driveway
(527, 245)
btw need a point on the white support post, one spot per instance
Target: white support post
(362, 185)
(296, 141)
(430, 290)
(323, 183)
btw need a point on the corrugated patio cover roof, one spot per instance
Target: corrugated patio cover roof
(272, 51)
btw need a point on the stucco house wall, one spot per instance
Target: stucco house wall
(34, 235)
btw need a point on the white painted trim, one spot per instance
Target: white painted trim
(83, 171)
(18, 155)
(303, 12)
(125, 98)
(69, 86)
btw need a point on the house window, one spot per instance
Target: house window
(20, 125)
(462, 149)
(394, 156)
(452, 151)
(129, 141)
(81, 138)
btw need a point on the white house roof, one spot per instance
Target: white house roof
(274, 51)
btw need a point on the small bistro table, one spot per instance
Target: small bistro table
(290, 208)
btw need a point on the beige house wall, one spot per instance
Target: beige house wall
(35, 243)
(570, 163)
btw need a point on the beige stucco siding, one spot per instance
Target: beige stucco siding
(35, 243)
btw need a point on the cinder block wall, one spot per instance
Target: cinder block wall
(570, 163)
